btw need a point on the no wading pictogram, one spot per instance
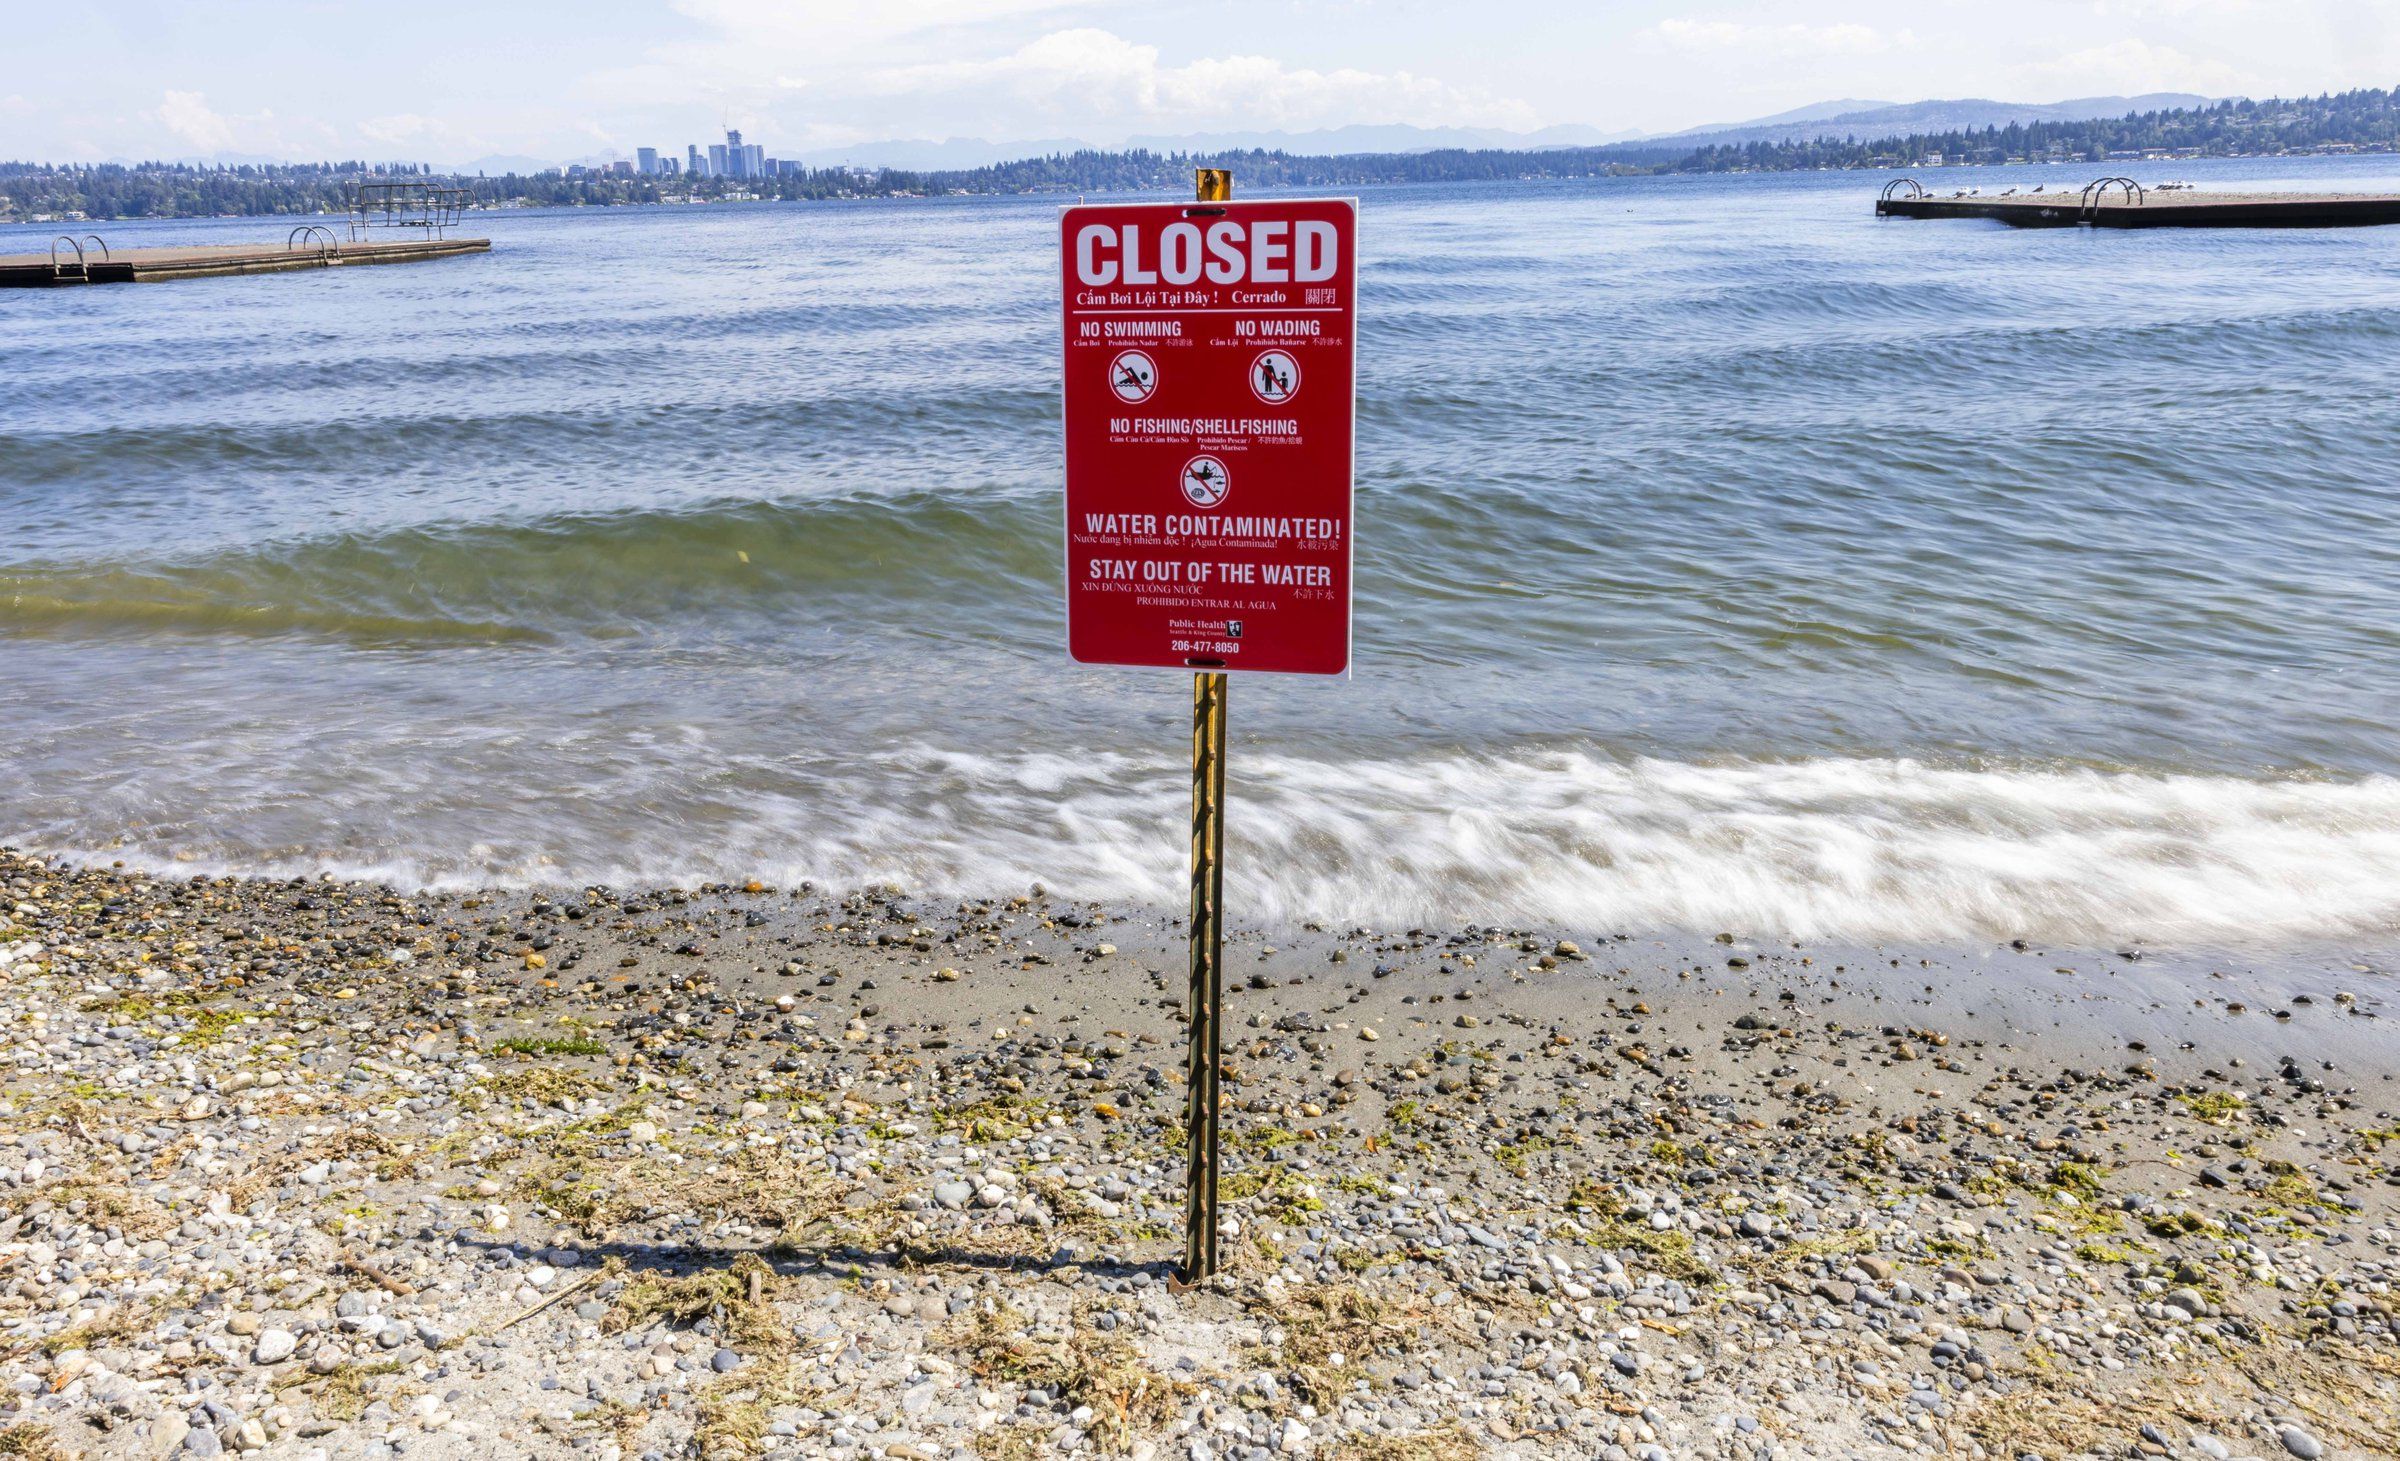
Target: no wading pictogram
(1274, 377)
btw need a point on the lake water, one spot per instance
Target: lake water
(1727, 559)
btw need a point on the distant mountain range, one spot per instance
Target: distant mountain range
(1870, 121)
(1396, 137)
(1816, 112)
(1849, 117)
(924, 154)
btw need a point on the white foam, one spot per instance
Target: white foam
(1849, 848)
(1863, 849)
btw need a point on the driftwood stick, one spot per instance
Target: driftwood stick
(582, 1283)
(384, 1280)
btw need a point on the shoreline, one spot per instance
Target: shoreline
(1686, 168)
(310, 1166)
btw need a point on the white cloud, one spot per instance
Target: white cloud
(746, 52)
(202, 129)
(403, 128)
(2173, 9)
(1095, 77)
(1844, 39)
(830, 74)
(187, 115)
(2130, 67)
(842, 26)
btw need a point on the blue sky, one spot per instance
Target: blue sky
(449, 81)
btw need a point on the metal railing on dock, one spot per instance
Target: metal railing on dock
(420, 205)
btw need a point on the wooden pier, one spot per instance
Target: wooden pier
(83, 259)
(2121, 203)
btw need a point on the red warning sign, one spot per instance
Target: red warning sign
(1210, 354)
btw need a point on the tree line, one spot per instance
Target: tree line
(2358, 121)
(2366, 121)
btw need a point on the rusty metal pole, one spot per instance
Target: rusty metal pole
(1204, 1052)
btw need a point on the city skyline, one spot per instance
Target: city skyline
(732, 158)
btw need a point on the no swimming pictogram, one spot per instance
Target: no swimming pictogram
(1133, 376)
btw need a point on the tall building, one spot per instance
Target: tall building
(646, 161)
(693, 163)
(717, 161)
(737, 159)
(754, 161)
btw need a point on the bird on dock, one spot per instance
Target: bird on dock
(2038, 187)
(2012, 192)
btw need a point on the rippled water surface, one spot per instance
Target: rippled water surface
(1727, 558)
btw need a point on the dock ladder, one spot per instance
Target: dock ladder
(322, 237)
(2095, 194)
(79, 272)
(1892, 193)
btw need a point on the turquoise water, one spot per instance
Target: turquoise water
(1727, 558)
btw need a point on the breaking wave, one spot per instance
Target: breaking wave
(1831, 848)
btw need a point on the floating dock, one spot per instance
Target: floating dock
(2123, 203)
(85, 260)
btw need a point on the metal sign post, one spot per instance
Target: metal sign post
(1204, 1039)
(1209, 354)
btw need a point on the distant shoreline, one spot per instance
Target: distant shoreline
(528, 204)
(2360, 123)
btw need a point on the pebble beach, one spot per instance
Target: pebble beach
(326, 1169)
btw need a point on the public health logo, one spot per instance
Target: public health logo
(1205, 481)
